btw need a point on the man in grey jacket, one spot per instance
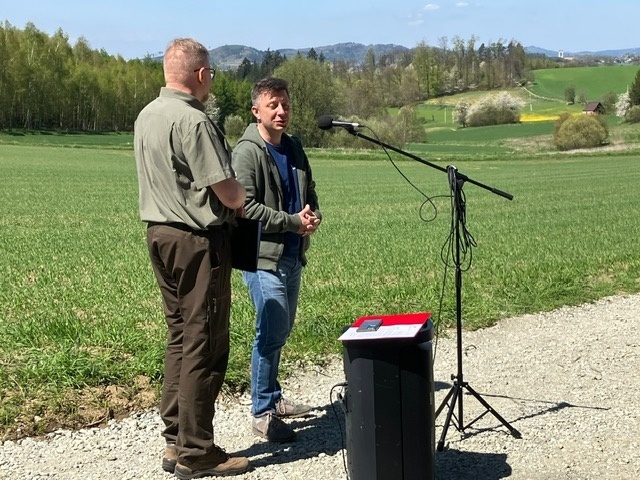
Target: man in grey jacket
(275, 171)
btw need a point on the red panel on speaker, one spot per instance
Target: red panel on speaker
(396, 319)
(379, 327)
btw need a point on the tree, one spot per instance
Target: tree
(634, 91)
(225, 92)
(623, 105)
(243, 101)
(248, 70)
(408, 90)
(422, 59)
(582, 97)
(570, 94)
(313, 93)
(364, 99)
(461, 111)
(270, 62)
(234, 127)
(212, 110)
(369, 64)
(633, 115)
(312, 55)
(608, 102)
(409, 127)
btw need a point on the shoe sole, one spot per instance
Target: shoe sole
(258, 433)
(169, 465)
(189, 476)
(292, 415)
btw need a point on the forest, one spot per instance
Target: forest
(48, 84)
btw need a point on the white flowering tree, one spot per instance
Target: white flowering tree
(211, 109)
(623, 104)
(495, 109)
(461, 111)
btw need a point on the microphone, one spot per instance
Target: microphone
(325, 122)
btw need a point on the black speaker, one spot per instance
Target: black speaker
(389, 408)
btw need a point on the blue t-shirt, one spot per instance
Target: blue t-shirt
(290, 190)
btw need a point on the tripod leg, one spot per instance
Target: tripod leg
(453, 394)
(490, 409)
(446, 399)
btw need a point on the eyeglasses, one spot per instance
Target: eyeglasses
(212, 71)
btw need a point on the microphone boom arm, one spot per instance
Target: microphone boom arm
(460, 176)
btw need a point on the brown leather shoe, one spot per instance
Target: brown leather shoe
(272, 428)
(170, 458)
(216, 462)
(285, 408)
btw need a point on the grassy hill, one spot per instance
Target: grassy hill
(543, 103)
(547, 93)
(544, 100)
(595, 82)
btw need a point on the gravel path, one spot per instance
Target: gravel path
(567, 380)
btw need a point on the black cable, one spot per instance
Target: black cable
(467, 242)
(342, 440)
(430, 201)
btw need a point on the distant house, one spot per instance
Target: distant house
(593, 108)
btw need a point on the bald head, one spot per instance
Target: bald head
(182, 57)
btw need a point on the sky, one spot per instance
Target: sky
(136, 28)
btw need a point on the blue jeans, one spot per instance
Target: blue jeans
(275, 298)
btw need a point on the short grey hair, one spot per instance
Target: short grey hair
(182, 57)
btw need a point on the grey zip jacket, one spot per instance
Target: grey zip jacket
(257, 171)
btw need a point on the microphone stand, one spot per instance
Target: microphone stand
(456, 182)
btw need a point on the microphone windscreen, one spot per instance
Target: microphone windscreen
(325, 122)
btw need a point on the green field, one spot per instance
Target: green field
(81, 318)
(595, 82)
(80, 309)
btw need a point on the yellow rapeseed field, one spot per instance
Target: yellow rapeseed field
(532, 117)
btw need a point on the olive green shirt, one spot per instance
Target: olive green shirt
(179, 153)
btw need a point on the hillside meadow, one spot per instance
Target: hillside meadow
(594, 82)
(544, 100)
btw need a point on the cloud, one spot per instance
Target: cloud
(415, 19)
(431, 6)
(462, 4)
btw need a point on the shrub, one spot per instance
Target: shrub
(633, 114)
(497, 109)
(581, 131)
(397, 131)
(234, 127)
(561, 119)
(609, 102)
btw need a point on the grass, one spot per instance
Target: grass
(81, 312)
(594, 82)
(43, 138)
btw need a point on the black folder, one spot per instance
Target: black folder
(245, 244)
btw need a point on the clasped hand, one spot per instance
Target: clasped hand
(310, 222)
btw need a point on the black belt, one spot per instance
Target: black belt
(187, 228)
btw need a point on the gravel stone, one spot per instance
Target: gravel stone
(566, 380)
